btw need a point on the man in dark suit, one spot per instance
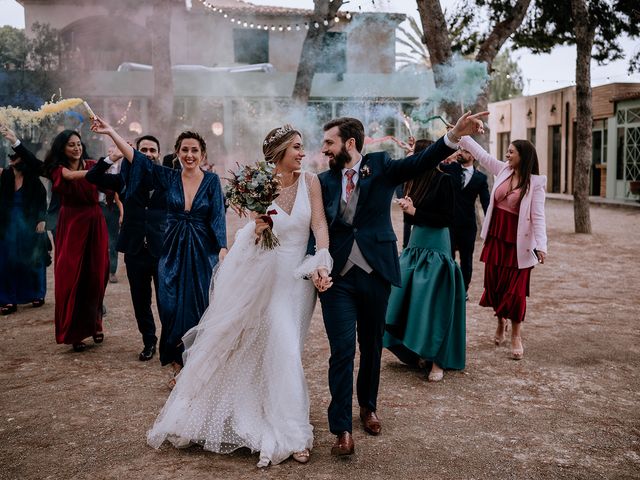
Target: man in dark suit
(141, 235)
(357, 193)
(472, 184)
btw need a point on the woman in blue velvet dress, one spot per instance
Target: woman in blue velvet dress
(195, 239)
(23, 240)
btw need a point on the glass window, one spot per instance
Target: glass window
(531, 135)
(632, 154)
(621, 116)
(620, 154)
(334, 53)
(250, 46)
(633, 115)
(504, 139)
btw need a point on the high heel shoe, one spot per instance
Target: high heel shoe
(502, 327)
(436, 374)
(79, 347)
(8, 309)
(517, 352)
(302, 457)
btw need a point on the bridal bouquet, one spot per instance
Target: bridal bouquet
(253, 188)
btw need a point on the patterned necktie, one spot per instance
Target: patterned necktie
(350, 185)
(463, 178)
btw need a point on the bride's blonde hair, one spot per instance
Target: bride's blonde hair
(277, 141)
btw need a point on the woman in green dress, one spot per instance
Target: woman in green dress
(426, 315)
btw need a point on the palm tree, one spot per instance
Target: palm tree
(417, 56)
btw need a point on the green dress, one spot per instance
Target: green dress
(426, 316)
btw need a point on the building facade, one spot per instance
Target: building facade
(234, 68)
(548, 120)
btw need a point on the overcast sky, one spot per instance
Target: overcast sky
(541, 72)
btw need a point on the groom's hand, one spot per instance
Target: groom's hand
(321, 279)
(468, 124)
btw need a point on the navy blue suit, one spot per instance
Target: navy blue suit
(140, 239)
(357, 301)
(464, 227)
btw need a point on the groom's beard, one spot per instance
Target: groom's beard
(338, 161)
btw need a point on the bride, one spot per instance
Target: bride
(243, 384)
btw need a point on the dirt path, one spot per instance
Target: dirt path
(570, 409)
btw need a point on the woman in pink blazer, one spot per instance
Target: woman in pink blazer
(514, 233)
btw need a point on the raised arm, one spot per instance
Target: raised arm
(98, 125)
(106, 181)
(492, 164)
(32, 162)
(400, 171)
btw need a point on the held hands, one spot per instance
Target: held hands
(321, 279)
(468, 124)
(406, 204)
(9, 134)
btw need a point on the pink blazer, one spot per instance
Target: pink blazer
(532, 230)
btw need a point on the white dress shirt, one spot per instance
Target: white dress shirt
(468, 173)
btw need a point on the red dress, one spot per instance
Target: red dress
(505, 285)
(81, 260)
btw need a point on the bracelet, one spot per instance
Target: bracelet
(451, 136)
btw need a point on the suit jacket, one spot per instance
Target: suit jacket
(371, 228)
(465, 211)
(532, 230)
(145, 210)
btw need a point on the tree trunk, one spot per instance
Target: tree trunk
(490, 48)
(585, 34)
(161, 111)
(436, 38)
(312, 47)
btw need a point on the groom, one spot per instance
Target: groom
(357, 193)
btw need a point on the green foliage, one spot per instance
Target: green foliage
(550, 23)
(506, 78)
(31, 65)
(46, 47)
(417, 57)
(14, 48)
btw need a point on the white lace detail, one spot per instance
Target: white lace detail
(232, 392)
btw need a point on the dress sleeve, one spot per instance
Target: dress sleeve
(485, 159)
(58, 183)
(144, 169)
(322, 258)
(217, 220)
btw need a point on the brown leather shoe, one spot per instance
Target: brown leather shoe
(370, 421)
(344, 445)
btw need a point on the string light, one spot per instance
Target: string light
(281, 28)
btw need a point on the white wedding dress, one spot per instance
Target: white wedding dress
(242, 384)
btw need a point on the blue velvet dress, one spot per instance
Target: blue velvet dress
(22, 257)
(190, 250)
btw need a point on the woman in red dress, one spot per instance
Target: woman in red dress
(81, 268)
(514, 233)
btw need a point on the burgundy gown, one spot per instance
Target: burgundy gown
(81, 259)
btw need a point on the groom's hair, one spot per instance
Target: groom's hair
(348, 128)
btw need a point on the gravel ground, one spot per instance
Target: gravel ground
(570, 409)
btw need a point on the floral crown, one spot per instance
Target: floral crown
(281, 132)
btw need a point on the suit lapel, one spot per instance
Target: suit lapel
(334, 191)
(364, 184)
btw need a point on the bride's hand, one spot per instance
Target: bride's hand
(261, 226)
(321, 279)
